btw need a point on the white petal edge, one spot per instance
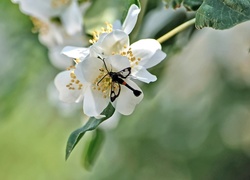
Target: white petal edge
(111, 122)
(143, 75)
(158, 56)
(131, 18)
(127, 101)
(149, 50)
(75, 52)
(94, 102)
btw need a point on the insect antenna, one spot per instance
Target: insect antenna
(103, 63)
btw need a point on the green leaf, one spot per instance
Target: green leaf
(222, 14)
(92, 148)
(92, 124)
(110, 11)
(191, 5)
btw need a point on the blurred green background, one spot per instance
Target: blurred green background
(194, 122)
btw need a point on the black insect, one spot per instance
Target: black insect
(117, 81)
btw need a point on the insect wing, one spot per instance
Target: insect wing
(115, 91)
(124, 73)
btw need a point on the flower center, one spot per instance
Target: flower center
(74, 82)
(129, 54)
(59, 3)
(39, 26)
(103, 83)
(96, 34)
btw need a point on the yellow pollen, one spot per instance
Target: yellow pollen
(59, 3)
(74, 82)
(39, 26)
(77, 60)
(96, 34)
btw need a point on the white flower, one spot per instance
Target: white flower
(105, 69)
(104, 85)
(68, 11)
(142, 54)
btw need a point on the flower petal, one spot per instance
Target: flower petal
(66, 95)
(131, 18)
(141, 73)
(126, 101)
(72, 18)
(53, 36)
(114, 42)
(37, 8)
(94, 102)
(149, 50)
(118, 62)
(158, 56)
(58, 60)
(75, 52)
(117, 25)
(111, 122)
(89, 69)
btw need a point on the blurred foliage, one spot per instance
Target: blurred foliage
(191, 5)
(192, 124)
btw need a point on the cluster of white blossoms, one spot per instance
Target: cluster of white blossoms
(104, 72)
(59, 23)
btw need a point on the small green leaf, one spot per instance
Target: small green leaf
(92, 124)
(92, 148)
(222, 14)
(110, 11)
(191, 5)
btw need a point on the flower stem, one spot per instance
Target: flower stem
(176, 30)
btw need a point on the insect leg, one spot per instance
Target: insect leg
(101, 79)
